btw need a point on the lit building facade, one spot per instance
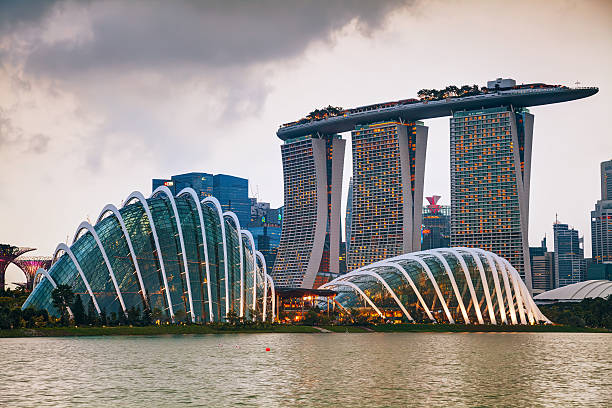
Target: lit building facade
(309, 250)
(387, 191)
(606, 180)
(436, 225)
(490, 171)
(570, 265)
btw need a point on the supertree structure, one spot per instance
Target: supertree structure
(8, 254)
(29, 266)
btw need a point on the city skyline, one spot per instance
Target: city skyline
(74, 112)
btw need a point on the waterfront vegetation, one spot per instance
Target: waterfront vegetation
(590, 315)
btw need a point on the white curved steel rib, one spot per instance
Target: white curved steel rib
(137, 195)
(410, 282)
(451, 277)
(526, 297)
(357, 289)
(217, 206)
(44, 273)
(594, 287)
(112, 209)
(66, 249)
(468, 279)
(485, 285)
(87, 226)
(264, 273)
(249, 236)
(234, 218)
(434, 283)
(517, 291)
(504, 274)
(194, 196)
(179, 227)
(500, 298)
(273, 296)
(386, 285)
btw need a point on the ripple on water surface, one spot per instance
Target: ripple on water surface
(370, 369)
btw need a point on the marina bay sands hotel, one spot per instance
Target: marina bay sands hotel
(491, 133)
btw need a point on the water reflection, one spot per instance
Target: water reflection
(373, 369)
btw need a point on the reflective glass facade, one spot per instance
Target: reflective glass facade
(445, 285)
(180, 254)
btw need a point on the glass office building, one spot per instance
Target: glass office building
(309, 250)
(387, 191)
(436, 224)
(490, 170)
(231, 191)
(570, 265)
(180, 255)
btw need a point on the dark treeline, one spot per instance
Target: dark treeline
(595, 312)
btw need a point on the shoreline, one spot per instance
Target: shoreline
(323, 329)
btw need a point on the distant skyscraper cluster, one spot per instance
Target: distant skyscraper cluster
(233, 195)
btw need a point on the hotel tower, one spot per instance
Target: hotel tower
(309, 251)
(387, 191)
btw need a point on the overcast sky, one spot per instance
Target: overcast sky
(99, 97)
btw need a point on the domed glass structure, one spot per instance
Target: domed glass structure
(450, 285)
(174, 254)
(576, 292)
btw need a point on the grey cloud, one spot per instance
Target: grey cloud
(133, 35)
(14, 138)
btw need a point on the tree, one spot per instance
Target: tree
(78, 311)
(92, 313)
(62, 297)
(147, 317)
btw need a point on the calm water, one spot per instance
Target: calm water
(371, 369)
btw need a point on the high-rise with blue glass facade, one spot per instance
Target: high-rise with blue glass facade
(231, 191)
(570, 266)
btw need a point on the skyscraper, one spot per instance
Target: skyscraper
(436, 225)
(570, 265)
(542, 268)
(310, 242)
(490, 170)
(601, 219)
(231, 191)
(606, 180)
(387, 193)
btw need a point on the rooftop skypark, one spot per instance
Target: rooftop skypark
(433, 103)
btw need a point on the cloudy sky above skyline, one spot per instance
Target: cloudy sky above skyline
(99, 97)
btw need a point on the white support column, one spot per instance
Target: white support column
(188, 191)
(500, 298)
(468, 279)
(357, 289)
(250, 239)
(87, 226)
(66, 249)
(113, 210)
(522, 290)
(483, 279)
(45, 274)
(433, 282)
(273, 297)
(504, 274)
(232, 216)
(451, 277)
(165, 190)
(217, 206)
(137, 195)
(264, 273)
(517, 291)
